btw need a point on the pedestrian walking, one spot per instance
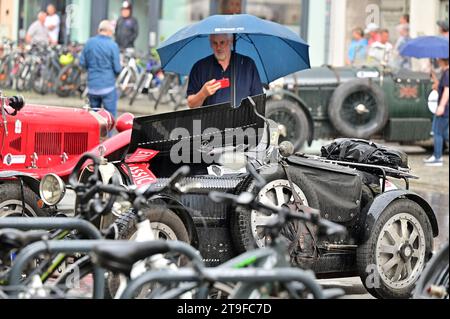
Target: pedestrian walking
(52, 23)
(101, 59)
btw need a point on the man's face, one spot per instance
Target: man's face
(41, 17)
(51, 10)
(356, 35)
(221, 45)
(126, 13)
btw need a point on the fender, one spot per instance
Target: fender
(181, 211)
(296, 99)
(382, 201)
(29, 180)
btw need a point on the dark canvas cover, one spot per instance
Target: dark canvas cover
(338, 188)
(364, 152)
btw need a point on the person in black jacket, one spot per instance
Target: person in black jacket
(127, 28)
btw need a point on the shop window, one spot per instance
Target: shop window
(230, 6)
(199, 9)
(286, 12)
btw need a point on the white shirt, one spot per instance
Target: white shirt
(53, 21)
(380, 53)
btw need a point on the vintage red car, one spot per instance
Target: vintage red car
(37, 139)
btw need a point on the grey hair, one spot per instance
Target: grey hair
(105, 25)
(228, 35)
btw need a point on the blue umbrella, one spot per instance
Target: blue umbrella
(276, 50)
(432, 47)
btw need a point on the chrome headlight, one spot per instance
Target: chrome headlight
(52, 189)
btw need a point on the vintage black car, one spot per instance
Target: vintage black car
(365, 102)
(390, 229)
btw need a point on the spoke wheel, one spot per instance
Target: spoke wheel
(398, 246)
(401, 251)
(275, 193)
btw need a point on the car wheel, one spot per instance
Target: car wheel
(11, 201)
(292, 118)
(358, 109)
(165, 224)
(399, 245)
(247, 226)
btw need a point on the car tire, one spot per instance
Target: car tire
(243, 227)
(293, 118)
(390, 236)
(162, 219)
(358, 109)
(11, 201)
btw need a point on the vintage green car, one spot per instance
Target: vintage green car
(366, 102)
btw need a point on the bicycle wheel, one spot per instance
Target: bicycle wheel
(68, 80)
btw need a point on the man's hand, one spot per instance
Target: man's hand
(440, 110)
(443, 104)
(210, 88)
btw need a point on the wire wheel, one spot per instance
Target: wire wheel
(359, 109)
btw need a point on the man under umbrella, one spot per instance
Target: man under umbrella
(209, 80)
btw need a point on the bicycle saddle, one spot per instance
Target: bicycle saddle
(120, 257)
(16, 239)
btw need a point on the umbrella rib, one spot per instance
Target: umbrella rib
(260, 58)
(293, 49)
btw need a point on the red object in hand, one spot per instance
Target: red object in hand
(224, 83)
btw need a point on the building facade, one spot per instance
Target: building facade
(325, 24)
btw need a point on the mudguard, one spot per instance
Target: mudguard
(181, 211)
(382, 201)
(28, 179)
(296, 99)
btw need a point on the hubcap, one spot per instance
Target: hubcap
(400, 251)
(361, 109)
(163, 232)
(275, 193)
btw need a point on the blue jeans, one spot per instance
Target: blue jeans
(440, 130)
(109, 102)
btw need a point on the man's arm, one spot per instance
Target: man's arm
(83, 60)
(29, 35)
(208, 89)
(135, 30)
(116, 59)
(443, 104)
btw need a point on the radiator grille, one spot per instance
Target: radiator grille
(48, 143)
(75, 143)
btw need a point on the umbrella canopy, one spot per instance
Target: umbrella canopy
(276, 50)
(432, 47)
